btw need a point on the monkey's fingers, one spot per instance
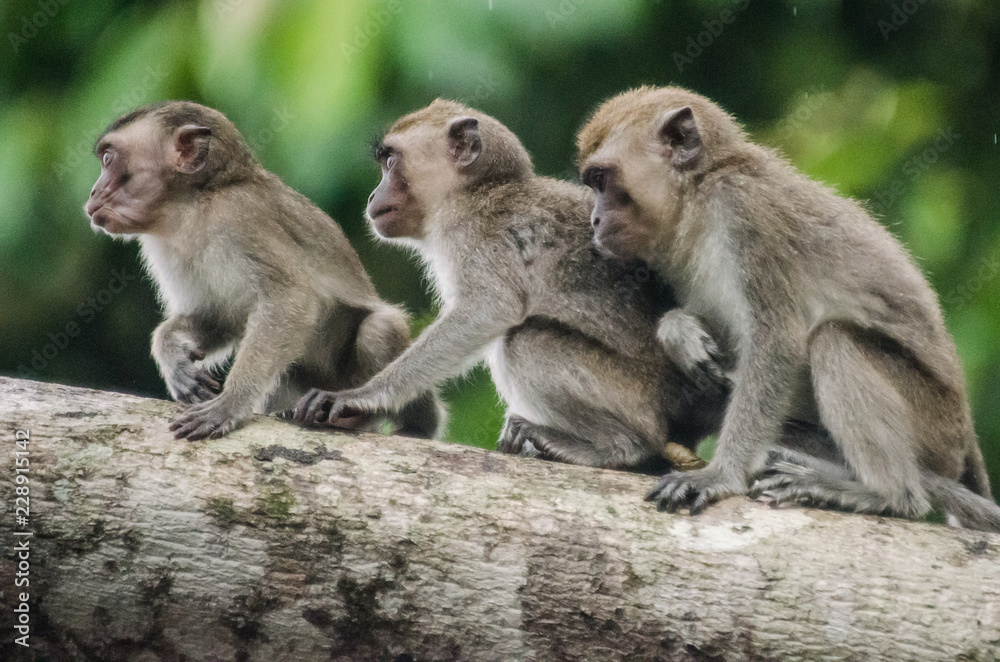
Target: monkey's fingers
(201, 394)
(196, 354)
(203, 431)
(712, 348)
(223, 429)
(187, 428)
(341, 410)
(655, 492)
(309, 406)
(678, 496)
(206, 380)
(703, 500)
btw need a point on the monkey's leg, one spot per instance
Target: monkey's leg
(532, 440)
(269, 346)
(382, 336)
(868, 418)
(794, 477)
(178, 344)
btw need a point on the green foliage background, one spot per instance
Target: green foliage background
(895, 102)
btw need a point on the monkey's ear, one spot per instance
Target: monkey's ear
(189, 150)
(679, 130)
(464, 143)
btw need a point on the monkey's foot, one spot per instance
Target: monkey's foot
(690, 347)
(337, 409)
(215, 418)
(788, 482)
(516, 439)
(189, 384)
(696, 489)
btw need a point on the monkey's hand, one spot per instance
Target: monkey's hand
(690, 347)
(214, 418)
(318, 407)
(514, 440)
(189, 383)
(697, 489)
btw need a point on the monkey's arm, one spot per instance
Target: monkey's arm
(760, 402)
(178, 343)
(276, 335)
(442, 351)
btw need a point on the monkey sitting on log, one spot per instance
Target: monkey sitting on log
(825, 312)
(569, 335)
(243, 264)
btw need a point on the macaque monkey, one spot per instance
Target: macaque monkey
(825, 312)
(243, 265)
(569, 335)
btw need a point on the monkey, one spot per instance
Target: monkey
(569, 335)
(828, 317)
(246, 268)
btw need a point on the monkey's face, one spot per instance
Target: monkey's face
(625, 201)
(129, 185)
(141, 171)
(421, 168)
(394, 210)
(638, 174)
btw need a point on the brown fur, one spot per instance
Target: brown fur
(830, 319)
(246, 267)
(569, 334)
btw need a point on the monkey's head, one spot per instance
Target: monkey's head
(640, 153)
(158, 154)
(434, 153)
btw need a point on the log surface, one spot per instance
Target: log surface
(278, 543)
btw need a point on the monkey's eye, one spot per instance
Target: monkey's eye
(596, 179)
(390, 161)
(106, 158)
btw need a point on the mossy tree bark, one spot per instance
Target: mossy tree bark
(284, 544)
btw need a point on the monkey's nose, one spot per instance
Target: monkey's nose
(595, 220)
(371, 196)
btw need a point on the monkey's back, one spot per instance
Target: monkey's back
(587, 348)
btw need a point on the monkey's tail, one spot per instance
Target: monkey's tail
(970, 509)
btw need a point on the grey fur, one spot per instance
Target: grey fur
(247, 268)
(830, 320)
(569, 334)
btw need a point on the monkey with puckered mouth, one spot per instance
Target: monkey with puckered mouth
(246, 268)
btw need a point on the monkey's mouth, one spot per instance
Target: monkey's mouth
(107, 221)
(99, 218)
(613, 238)
(382, 211)
(385, 221)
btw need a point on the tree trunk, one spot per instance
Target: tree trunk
(278, 543)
